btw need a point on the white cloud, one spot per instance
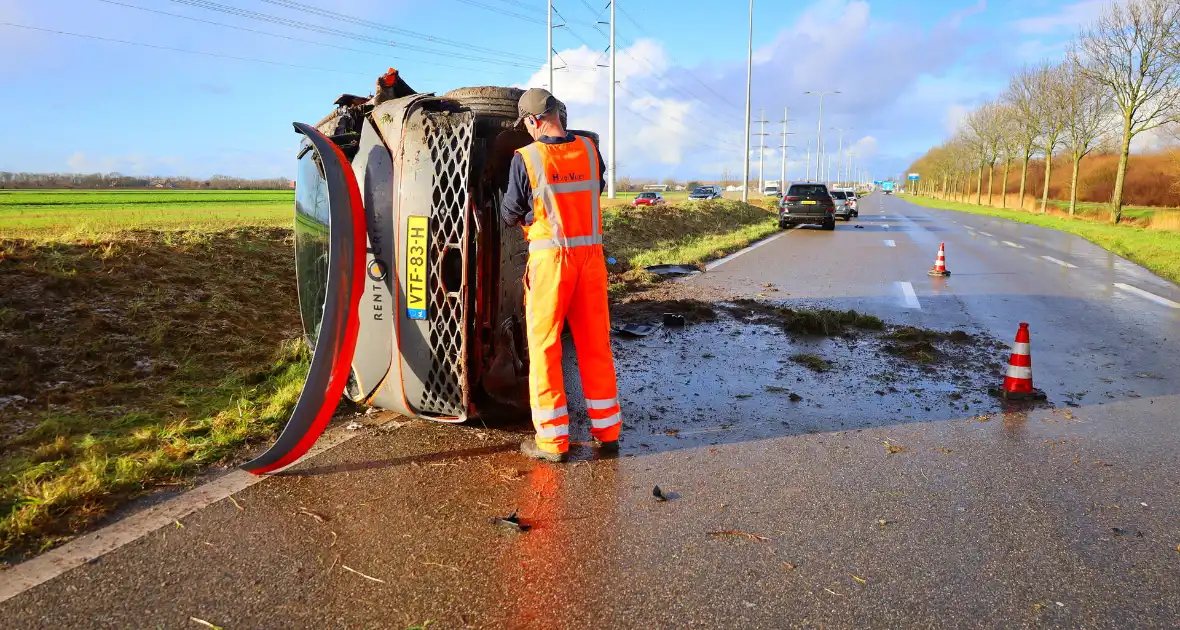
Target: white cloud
(1069, 17)
(688, 122)
(955, 117)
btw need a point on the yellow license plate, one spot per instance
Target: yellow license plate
(418, 231)
(808, 202)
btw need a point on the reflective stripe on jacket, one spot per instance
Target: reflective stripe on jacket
(565, 190)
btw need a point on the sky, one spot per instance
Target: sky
(197, 87)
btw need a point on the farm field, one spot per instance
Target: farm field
(42, 213)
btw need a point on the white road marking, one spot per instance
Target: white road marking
(1011, 244)
(986, 234)
(721, 261)
(96, 544)
(1059, 262)
(908, 296)
(890, 244)
(1141, 293)
(885, 225)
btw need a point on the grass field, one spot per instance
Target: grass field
(1155, 249)
(42, 213)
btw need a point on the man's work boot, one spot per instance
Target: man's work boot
(529, 447)
(607, 449)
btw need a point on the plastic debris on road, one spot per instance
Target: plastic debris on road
(512, 521)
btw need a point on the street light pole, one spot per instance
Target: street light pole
(610, 168)
(749, 83)
(819, 132)
(782, 178)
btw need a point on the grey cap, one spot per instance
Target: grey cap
(535, 102)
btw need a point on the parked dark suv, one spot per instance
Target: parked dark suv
(807, 203)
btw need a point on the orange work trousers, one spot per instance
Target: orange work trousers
(569, 285)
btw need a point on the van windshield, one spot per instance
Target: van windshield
(312, 249)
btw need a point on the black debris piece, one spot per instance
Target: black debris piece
(673, 270)
(635, 330)
(512, 521)
(674, 320)
(659, 494)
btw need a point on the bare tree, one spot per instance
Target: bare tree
(1051, 90)
(985, 126)
(1010, 144)
(1088, 116)
(1132, 51)
(1021, 96)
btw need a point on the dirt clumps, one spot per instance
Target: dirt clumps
(819, 322)
(652, 311)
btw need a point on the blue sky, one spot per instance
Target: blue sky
(908, 70)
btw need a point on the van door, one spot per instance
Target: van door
(330, 239)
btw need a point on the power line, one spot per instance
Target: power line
(212, 6)
(341, 17)
(493, 9)
(650, 65)
(298, 39)
(689, 72)
(183, 50)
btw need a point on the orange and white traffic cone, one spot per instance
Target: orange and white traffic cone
(1018, 383)
(939, 269)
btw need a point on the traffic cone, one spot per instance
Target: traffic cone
(939, 269)
(1018, 383)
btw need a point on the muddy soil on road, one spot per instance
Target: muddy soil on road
(744, 369)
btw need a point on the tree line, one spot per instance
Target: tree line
(118, 180)
(1119, 79)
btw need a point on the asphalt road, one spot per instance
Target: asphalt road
(784, 513)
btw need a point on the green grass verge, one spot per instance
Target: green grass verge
(686, 234)
(1157, 250)
(135, 361)
(72, 468)
(699, 249)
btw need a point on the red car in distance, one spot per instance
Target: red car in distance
(648, 199)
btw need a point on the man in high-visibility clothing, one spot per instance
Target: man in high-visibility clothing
(553, 190)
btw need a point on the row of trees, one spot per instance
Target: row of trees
(118, 180)
(1121, 78)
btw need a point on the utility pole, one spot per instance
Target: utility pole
(749, 83)
(807, 169)
(610, 168)
(762, 151)
(782, 181)
(819, 133)
(839, 154)
(549, 41)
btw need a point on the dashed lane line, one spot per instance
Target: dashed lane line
(1055, 261)
(986, 234)
(889, 243)
(908, 296)
(1011, 244)
(1147, 295)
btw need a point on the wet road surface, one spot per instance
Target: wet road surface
(887, 495)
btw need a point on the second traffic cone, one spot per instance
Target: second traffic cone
(940, 263)
(1018, 383)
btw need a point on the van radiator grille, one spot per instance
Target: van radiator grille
(449, 138)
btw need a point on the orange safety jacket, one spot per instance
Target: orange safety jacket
(565, 189)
